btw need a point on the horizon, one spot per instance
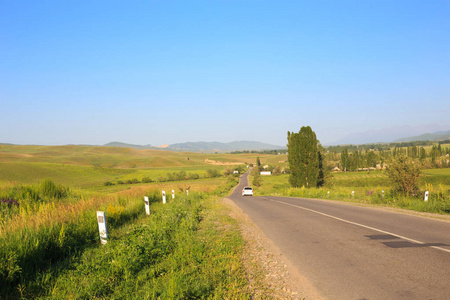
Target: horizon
(277, 147)
(163, 73)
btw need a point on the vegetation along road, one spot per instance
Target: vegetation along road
(356, 252)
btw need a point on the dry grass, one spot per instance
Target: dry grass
(49, 214)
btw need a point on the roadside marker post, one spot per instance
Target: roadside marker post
(101, 219)
(147, 205)
(164, 197)
(425, 198)
(187, 192)
(382, 193)
(353, 193)
(173, 194)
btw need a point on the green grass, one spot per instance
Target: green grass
(87, 177)
(76, 176)
(89, 167)
(437, 172)
(113, 157)
(178, 252)
(368, 188)
(49, 246)
(188, 248)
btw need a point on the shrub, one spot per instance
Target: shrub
(49, 189)
(193, 176)
(212, 173)
(147, 180)
(404, 174)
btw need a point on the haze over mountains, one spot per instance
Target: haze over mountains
(389, 135)
(395, 134)
(204, 146)
(374, 136)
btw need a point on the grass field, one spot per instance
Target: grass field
(113, 157)
(373, 187)
(49, 245)
(89, 167)
(187, 248)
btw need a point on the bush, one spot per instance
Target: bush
(49, 189)
(108, 183)
(404, 174)
(212, 173)
(147, 180)
(193, 176)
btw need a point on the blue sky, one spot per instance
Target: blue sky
(156, 72)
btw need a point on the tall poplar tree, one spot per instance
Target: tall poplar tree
(305, 159)
(344, 160)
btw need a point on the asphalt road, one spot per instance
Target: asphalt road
(355, 252)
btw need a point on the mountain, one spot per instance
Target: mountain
(436, 136)
(386, 135)
(203, 146)
(223, 147)
(124, 145)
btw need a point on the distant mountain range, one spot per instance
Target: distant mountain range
(394, 135)
(125, 145)
(203, 146)
(437, 136)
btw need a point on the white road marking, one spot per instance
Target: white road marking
(360, 225)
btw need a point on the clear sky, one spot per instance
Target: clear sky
(156, 72)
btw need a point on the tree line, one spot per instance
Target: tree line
(436, 157)
(307, 160)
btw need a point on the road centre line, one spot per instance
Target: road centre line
(358, 224)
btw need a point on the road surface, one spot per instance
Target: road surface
(356, 252)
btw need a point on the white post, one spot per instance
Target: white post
(353, 193)
(164, 197)
(426, 196)
(173, 194)
(147, 205)
(187, 192)
(101, 219)
(382, 193)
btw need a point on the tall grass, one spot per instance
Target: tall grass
(40, 237)
(173, 254)
(49, 245)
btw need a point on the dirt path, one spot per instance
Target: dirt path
(269, 272)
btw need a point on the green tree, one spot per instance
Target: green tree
(371, 159)
(256, 178)
(344, 160)
(258, 163)
(305, 159)
(423, 154)
(404, 174)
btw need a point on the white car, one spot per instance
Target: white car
(247, 191)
